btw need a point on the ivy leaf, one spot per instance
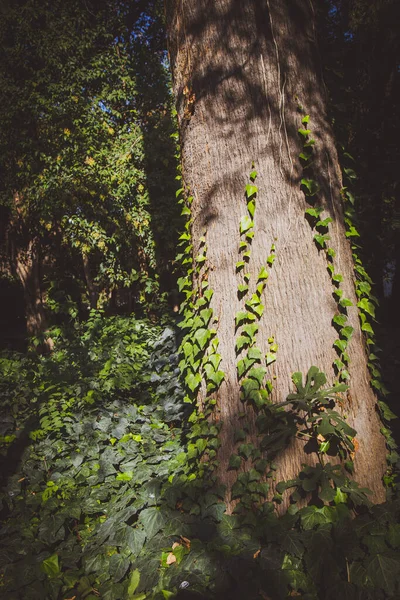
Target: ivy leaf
(152, 521)
(51, 566)
(347, 332)
(338, 364)
(271, 259)
(324, 223)
(367, 307)
(314, 212)
(243, 317)
(250, 330)
(208, 294)
(352, 232)
(304, 132)
(337, 278)
(270, 358)
(383, 570)
(235, 461)
(251, 190)
(340, 345)
(305, 119)
(241, 342)
(387, 414)
(134, 580)
(246, 223)
(240, 265)
(243, 288)
(193, 381)
(345, 302)
(340, 320)
(321, 240)
(217, 378)
(202, 336)
(251, 207)
(258, 373)
(254, 354)
(351, 174)
(311, 186)
(245, 450)
(253, 175)
(263, 274)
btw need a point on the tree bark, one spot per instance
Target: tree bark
(26, 265)
(240, 71)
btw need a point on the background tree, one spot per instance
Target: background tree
(75, 193)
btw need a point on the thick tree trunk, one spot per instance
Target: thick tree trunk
(241, 69)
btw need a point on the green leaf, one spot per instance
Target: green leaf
(240, 265)
(253, 175)
(202, 337)
(314, 212)
(321, 240)
(127, 476)
(367, 307)
(152, 521)
(246, 223)
(345, 302)
(340, 320)
(243, 317)
(339, 364)
(263, 274)
(352, 232)
(217, 378)
(243, 288)
(347, 332)
(254, 354)
(134, 580)
(304, 132)
(337, 278)
(271, 259)
(383, 569)
(250, 330)
(251, 190)
(242, 342)
(305, 119)
(270, 358)
(324, 223)
(235, 461)
(340, 345)
(51, 566)
(387, 414)
(251, 207)
(258, 373)
(193, 381)
(351, 174)
(311, 186)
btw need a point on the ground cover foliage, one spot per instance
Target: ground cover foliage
(101, 498)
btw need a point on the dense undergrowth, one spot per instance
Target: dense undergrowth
(100, 499)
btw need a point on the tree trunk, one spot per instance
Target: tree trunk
(92, 288)
(26, 265)
(241, 70)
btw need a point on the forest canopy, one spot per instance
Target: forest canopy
(123, 477)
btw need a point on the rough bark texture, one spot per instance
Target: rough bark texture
(240, 69)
